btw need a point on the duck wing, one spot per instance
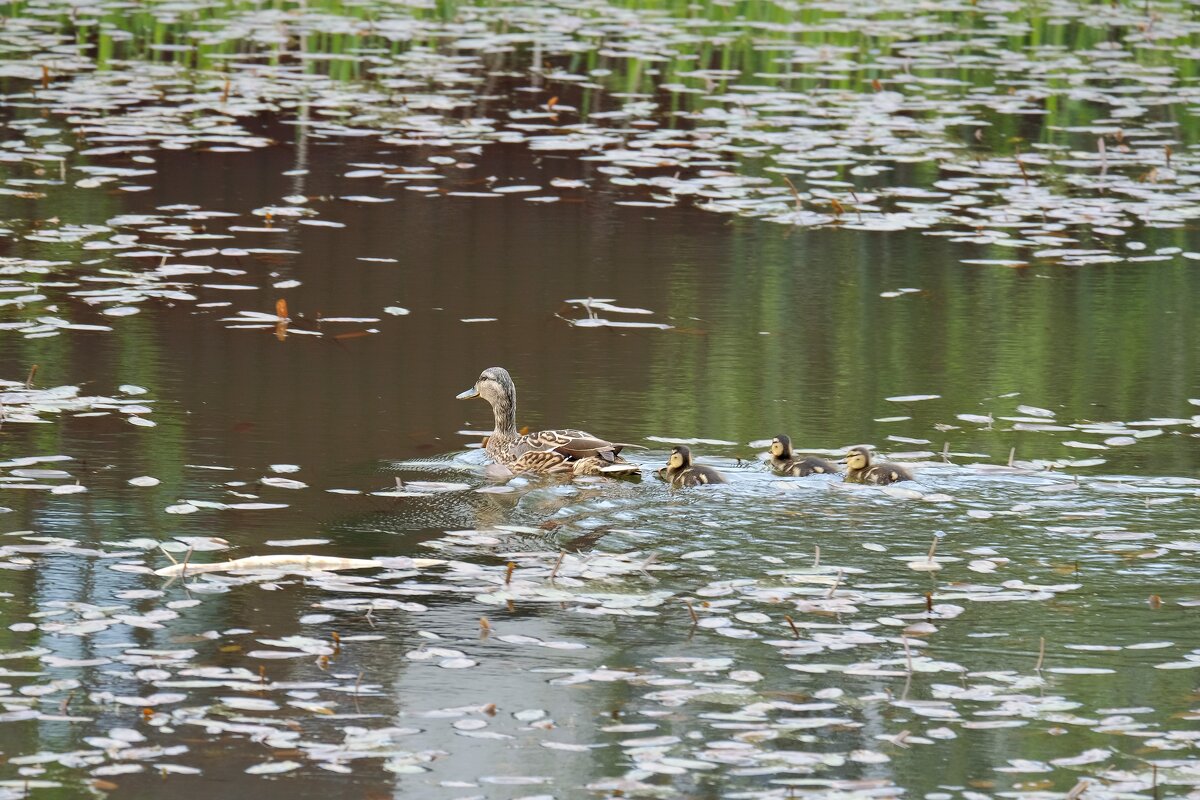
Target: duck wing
(601, 466)
(568, 450)
(572, 443)
(885, 473)
(810, 465)
(530, 454)
(703, 476)
(539, 461)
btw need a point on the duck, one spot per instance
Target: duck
(783, 460)
(859, 469)
(565, 450)
(680, 471)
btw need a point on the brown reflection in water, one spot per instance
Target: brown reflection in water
(776, 329)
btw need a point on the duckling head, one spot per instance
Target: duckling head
(494, 385)
(681, 458)
(858, 458)
(781, 446)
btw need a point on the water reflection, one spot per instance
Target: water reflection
(775, 331)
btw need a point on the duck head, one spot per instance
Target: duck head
(781, 446)
(858, 458)
(496, 386)
(681, 458)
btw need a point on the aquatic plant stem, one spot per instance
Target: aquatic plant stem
(837, 581)
(554, 572)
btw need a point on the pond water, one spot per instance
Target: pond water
(543, 637)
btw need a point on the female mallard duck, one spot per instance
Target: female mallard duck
(859, 469)
(680, 471)
(545, 451)
(782, 460)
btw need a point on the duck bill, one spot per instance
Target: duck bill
(468, 394)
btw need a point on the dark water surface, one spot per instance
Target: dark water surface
(774, 330)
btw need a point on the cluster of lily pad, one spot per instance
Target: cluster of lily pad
(764, 670)
(770, 673)
(861, 119)
(800, 671)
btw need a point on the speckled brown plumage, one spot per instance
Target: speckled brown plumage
(566, 451)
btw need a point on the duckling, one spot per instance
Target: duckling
(859, 469)
(680, 471)
(782, 460)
